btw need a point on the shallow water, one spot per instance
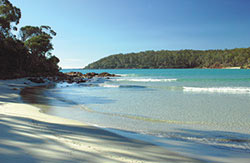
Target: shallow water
(200, 107)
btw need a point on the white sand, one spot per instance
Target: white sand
(231, 68)
(27, 135)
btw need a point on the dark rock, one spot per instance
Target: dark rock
(78, 77)
(36, 80)
(90, 75)
(81, 81)
(106, 74)
(75, 74)
(70, 81)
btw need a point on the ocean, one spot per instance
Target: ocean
(203, 113)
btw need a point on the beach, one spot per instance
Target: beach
(124, 81)
(199, 113)
(27, 135)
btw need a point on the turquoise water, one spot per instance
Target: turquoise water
(208, 107)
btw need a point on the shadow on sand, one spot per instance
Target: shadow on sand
(28, 140)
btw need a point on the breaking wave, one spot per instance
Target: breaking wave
(109, 85)
(120, 86)
(232, 90)
(146, 80)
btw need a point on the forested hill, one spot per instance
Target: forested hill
(239, 57)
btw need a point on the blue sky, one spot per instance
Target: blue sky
(88, 30)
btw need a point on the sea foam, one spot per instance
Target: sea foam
(109, 85)
(146, 80)
(232, 90)
(120, 86)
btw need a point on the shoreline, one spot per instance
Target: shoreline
(29, 135)
(154, 68)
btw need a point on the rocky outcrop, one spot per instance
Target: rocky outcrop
(75, 74)
(105, 74)
(72, 77)
(91, 75)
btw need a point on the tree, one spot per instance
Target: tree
(28, 32)
(176, 59)
(38, 39)
(30, 53)
(38, 42)
(8, 14)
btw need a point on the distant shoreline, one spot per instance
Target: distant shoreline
(189, 58)
(148, 68)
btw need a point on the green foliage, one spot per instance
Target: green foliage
(39, 45)
(38, 39)
(176, 59)
(29, 56)
(8, 14)
(28, 32)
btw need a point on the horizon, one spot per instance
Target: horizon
(90, 30)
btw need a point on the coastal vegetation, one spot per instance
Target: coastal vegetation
(24, 52)
(239, 57)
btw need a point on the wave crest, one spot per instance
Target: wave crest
(109, 86)
(146, 80)
(232, 90)
(120, 86)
